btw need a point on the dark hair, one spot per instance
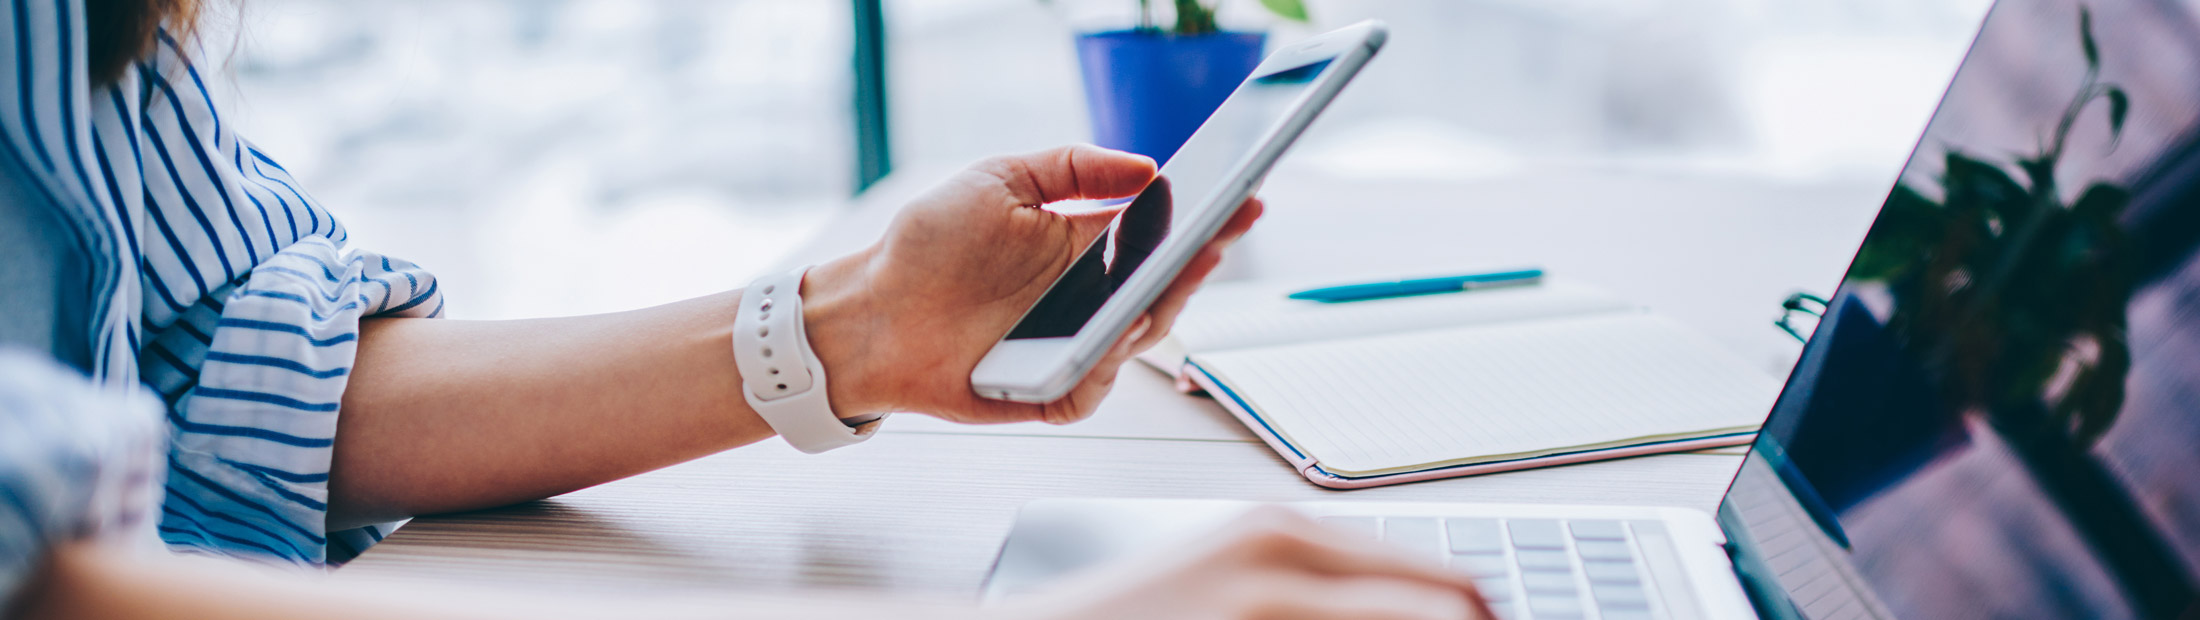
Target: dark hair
(120, 31)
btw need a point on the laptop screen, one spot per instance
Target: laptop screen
(1999, 415)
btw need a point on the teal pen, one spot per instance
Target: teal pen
(1422, 286)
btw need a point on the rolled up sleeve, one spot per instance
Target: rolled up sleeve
(245, 314)
(254, 437)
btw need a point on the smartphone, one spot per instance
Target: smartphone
(1102, 293)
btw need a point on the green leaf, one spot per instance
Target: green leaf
(1194, 18)
(2097, 243)
(1294, 10)
(2119, 106)
(2041, 171)
(1982, 187)
(1902, 239)
(2085, 36)
(1985, 208)
(2101, 203)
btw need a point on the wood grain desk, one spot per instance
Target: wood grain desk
(923, 507)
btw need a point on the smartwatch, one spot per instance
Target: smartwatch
(780, 375)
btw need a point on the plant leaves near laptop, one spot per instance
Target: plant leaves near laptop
(2056, 334)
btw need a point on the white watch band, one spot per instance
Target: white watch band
(780, 375)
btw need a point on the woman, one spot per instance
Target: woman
(306, 400)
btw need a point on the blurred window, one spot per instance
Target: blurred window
(555, 157)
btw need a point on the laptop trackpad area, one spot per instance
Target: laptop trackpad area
(1055, 537)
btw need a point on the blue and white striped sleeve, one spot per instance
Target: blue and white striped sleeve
(238, 299)
(255, 376)
(253, 305)
(76, 462)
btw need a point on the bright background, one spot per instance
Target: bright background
(552, 157)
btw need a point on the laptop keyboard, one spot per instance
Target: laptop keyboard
(1528, 569)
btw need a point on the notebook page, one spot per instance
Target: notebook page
(1251, 314)
(1407, 402)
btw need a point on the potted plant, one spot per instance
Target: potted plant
(1149, 87)
(2057, 328)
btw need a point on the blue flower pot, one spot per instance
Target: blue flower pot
(1148, 91)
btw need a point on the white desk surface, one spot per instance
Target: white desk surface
(922, 508)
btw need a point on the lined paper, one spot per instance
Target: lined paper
(1237, 316)
(1437, 398)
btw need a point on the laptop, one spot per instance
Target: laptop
(1997, 417)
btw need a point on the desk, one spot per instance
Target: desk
(922, 508)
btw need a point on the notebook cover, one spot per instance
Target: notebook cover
(1313, 472)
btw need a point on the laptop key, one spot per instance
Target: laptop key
(1537, 534)
(1611, 572)
(1494, 590)
(1370, 527)
(1502, 611)
(1548, 583)
(1597, 530)
(1481, 564)
(1554, 607)
(1593, 550)
(1617, 596)
(1544, 560)
(1475, 536)
(1624, 614)
(1417, 534)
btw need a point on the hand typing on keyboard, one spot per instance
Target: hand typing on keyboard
(1545, 569)
(1272, 563)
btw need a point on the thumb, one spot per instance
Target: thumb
(1074, 172)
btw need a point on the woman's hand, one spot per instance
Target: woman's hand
(534, 408)
(1271, 563)
(900, 325)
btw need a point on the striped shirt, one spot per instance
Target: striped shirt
(217, 281)
(76, 462)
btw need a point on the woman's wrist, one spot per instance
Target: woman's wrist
(844, 326)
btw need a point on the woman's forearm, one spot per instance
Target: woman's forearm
(445, 415)
(86, 581)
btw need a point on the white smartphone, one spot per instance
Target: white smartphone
(1091, 304)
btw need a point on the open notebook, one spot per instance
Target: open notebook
(1378, 392)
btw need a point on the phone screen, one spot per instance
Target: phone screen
(1192, 174)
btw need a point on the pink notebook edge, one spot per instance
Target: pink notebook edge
(1311, 469)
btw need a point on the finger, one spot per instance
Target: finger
(1241, 221)
(1327, 551)
(1085, 398)
(1078, 404)
(1371, 598)
(1172, 300)
(1073, 172)
(1087, 225)
(1154, 324)
(984, 410)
